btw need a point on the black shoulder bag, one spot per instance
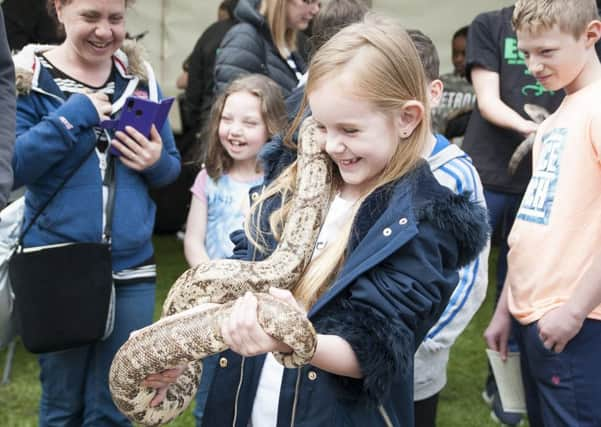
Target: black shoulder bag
(64, 293)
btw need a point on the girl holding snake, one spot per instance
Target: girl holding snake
(386, 258)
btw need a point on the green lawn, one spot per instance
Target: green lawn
(460, 404)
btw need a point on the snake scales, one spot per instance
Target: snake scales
(186, 333)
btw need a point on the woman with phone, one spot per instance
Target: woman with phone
(64, 93)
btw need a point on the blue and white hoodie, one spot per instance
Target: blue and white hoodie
(453, 168)
(54, 135)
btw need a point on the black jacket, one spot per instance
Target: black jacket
(249, 48)
(8, 101)
(201, 64)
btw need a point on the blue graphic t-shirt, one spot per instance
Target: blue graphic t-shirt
(227, 205)
(539, 197)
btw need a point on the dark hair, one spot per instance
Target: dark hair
(333, 16)
(229, 6)
(427, 53)
(50, 5)
(461, 32)
(273, 113)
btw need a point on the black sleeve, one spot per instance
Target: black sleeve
(242, 51)
(483, 44)
(7, 116)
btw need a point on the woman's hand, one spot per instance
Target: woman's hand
(137, 151)
(161, 383)
(100, 100)
(242, 332)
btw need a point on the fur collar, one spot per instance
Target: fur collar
(129, 60)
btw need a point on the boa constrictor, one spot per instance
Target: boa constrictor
(187, 333)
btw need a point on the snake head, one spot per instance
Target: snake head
(311, 139)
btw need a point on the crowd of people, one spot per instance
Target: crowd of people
(420, 189)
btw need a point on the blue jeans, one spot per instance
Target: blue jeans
(562, 389)
(75, 388)
(502, 209)
(209, 365)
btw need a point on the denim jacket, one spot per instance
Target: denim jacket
(54, 135)
(408, 241)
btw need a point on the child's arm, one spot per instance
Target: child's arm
(557, 327)
(196, 224)
(244, 335)
(196, 228)
(486, 85)
(499, 328)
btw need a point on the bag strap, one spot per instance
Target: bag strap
(109, 207)
(109, 180)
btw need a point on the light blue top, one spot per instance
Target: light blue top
(227, 205)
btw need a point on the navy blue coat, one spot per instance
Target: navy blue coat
(408, 241)
(248, 48)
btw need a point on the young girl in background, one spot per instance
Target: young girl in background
(243, 118)
(386, 259)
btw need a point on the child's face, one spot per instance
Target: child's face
(242, 130)
(458, 47)
(554, 57)
(360, 139)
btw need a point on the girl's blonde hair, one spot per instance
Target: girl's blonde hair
(283, 37)
(387, 72)
(273, 113)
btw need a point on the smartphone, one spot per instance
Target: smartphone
(140, 114)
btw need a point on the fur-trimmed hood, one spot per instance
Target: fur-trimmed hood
(129, 60)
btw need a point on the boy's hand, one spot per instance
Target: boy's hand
(137, 151)
(497, 332)
(528, 127)
(557, 327)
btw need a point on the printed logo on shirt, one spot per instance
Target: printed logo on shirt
(65, 122)
(513, 56)
(538, 201)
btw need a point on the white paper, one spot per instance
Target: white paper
(508, 376)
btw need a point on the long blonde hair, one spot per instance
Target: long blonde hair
(283, 37)
(387, 72)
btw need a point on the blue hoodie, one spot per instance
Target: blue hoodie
(54, 135)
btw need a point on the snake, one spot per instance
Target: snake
(188, 331)
(538, 114)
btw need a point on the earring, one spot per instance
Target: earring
(404, 134)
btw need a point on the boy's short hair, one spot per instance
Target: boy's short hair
(335, 15)
(461, 32)
(572, 16)
(427, 53)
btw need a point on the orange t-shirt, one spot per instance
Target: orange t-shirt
(556, 237)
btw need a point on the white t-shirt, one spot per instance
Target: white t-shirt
(265, 406)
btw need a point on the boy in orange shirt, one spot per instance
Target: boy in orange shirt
(553, 285)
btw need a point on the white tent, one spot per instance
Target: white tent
(174, 26)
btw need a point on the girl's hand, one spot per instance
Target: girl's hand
(242, 332)
(138, 152)
(161, 383)
(101, 102)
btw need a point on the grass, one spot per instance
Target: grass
(460, 402)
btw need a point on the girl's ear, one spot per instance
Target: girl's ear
(409, 117)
